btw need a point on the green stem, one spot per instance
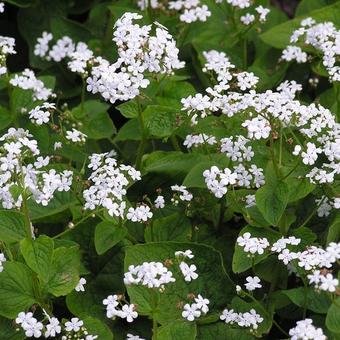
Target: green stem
(312, 213)
(174, 142)
(26, 217)
(245, 53)
(79, 222)
(142, 144)
(267, 314)
(82, 94)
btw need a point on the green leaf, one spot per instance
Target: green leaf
(306, 6)
(38, 255)
(64, 272)
(108, 234)
(334, 230)
(172, 163)
(177, 330)
(241, 261)
(9, 331)
(333, 316)
(175, 227)
(220, 330)
(12, 226)
(5, 117)
(128, 109)
(59, 203)
(313, 300)
(97, 327)
(129, 131)
(213, 282)
(279, 35)
(160, 121)
(272, 199)
(16, 289)
(97, 123)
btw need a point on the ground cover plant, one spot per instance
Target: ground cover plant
(169, 169)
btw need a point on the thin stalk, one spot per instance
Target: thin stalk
(280, 154)
(142, 144)
(245, 52)
(267, 314)
(79, 222)
(175, 143)
(312, 213)
(26, 217)
(82, 94)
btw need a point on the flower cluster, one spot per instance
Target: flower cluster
(305, 330)
(183, 193)
(323, 37)
(252, 245)
(237, 149)
(316, 123)
(28, 81)
(2, 260)
(138, 52)
(41, 113)
(199, 139)
(109, 184)
(34, 328)
(150, 274)
(127, 311)
(248, 319)
(190, 10)
(217, 180)
(21, 167)
(6, 47)
(196, 309)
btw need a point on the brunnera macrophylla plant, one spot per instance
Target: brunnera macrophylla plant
(168, 169)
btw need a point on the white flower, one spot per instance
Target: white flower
(52, 328)
(73, 325)
(191, 312)
(159, 202)
(187, 253)
(253, 283)
(133, 337)
(80, 285)
(328, 283)
(76, 136)
(202, 304)
(188, 271)
(128, 312)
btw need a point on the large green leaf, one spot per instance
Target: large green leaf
(333, 317)
(64, 272)
(96, 121)
(212, 283)
(108, 234)
(177, 330)
(317, 302)
(12, 226)
(220, 330)
(272, 199)
(38, 255)
(160, 121)
(59, 203)
(16, 289)
(97, 327)
(175, 227)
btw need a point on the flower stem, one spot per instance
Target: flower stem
(142, 144)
